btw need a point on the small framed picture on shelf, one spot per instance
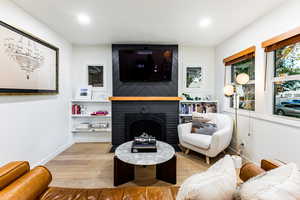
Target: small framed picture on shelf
(84, 93)
(96, 77)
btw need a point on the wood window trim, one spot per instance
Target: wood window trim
(240, 56)
(282, 40)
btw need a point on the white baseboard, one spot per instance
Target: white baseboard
(245, 158)
(91, 140)
(54, 154)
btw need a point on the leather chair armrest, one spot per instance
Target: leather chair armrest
(12, 171)
(29, 186)
(250, 170)
(270, 164)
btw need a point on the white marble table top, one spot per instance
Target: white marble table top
(164, 153)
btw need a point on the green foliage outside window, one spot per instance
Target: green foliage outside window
(287, 60)
(287, 92)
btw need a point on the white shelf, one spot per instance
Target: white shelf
(91, 135)
(200, 101)
(92, 131)
(91, 116)
(185, 115)
(90, 101)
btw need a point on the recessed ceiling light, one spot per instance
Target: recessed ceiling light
(205, 22)
(83, 19)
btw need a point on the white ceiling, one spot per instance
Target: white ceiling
(148, 21)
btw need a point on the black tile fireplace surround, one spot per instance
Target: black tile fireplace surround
(162, 113)
(126, 115)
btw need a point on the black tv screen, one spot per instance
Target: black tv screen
(145, 65)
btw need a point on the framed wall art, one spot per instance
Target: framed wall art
(28, 65)
(194, 77)
(96, 76)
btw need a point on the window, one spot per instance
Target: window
(246, 93)
(286, 81)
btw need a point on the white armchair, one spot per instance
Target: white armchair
(208, 145)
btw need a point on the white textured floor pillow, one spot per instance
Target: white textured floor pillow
(217, 183)
(282, 183)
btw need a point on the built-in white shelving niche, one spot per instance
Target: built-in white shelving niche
(187, 107)
(91, 134)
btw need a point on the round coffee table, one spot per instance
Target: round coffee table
(125, 162)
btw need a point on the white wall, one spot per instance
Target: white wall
(197, 56)
(91, 55)
(35, 128)
(270, 136)
(82, 57)
(102, 54)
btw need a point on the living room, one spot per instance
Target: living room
(203, 86)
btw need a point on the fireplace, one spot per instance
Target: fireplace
(153, 124)
(154, 106)
(131, 118)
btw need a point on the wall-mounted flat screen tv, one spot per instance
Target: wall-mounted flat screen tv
(145, 65)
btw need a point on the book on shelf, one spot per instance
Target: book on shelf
(188, 108)
(200, 107)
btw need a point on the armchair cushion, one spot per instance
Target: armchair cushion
(198, 140)
(204, 128)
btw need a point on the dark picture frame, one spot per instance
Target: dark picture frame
(192, 74)
(36, 43)
(96, 76)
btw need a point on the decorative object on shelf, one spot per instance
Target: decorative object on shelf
(84, 93)
(100, 125)
(207, 98)
(204, 98)
(231, 90)
(76, 109)
(85, 126)
(31, 64)
(187, 96)
(91, 127)
(193, 77)
(144, 143)
(100, 113)
(99, 95)
(96, 76)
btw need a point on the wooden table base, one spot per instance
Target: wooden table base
(124, 172)
(167, 171)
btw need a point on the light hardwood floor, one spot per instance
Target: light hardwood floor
(90, 165)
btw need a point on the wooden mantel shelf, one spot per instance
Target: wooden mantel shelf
(145, 98)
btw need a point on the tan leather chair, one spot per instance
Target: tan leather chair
(18, 182)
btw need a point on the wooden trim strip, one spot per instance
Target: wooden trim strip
(145, 98)
(237, 56)
(284, 43)
(281, 37)
(240, 59)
